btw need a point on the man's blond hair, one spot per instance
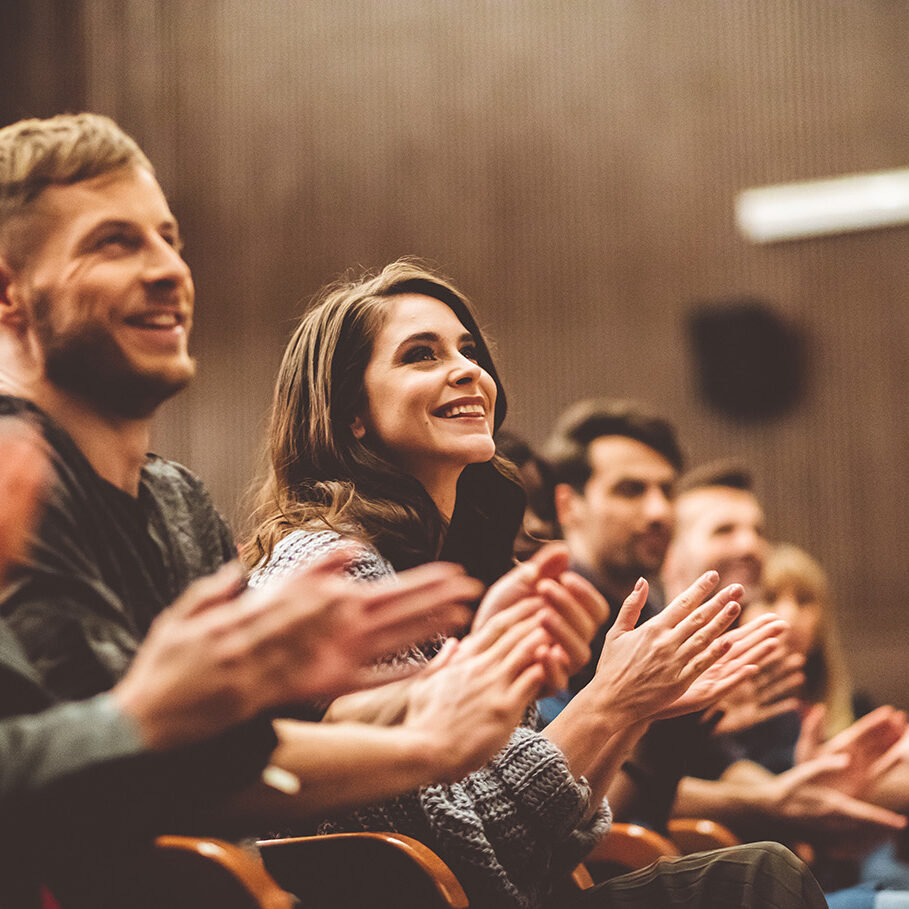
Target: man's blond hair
(68, 148)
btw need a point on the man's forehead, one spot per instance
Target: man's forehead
(129, 193)
(623, 456)
(711, 506)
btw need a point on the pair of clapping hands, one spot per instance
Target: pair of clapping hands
(684, 659)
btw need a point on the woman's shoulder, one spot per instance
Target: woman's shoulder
(302, 547)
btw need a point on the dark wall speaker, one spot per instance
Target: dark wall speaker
(749, 361)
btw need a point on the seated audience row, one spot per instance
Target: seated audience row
(382, 463)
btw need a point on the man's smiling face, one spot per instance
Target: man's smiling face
(107, 294)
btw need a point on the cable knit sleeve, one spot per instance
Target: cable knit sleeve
(507, 830)
(300, 547)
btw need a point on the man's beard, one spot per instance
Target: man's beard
(88, 364)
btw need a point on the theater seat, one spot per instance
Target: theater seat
(700, 834)
(196, 873)
(358, 870)
(625, 848)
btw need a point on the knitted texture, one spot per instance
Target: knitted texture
(507, 830)
(300, 547)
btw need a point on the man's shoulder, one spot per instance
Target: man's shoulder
(184, 504)
(164, 476)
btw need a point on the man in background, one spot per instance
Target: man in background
(616, 467)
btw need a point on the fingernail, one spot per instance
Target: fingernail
(639, 584)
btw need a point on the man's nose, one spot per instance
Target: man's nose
(164, 264)
(657, 506)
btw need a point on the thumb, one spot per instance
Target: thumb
(811, 736)
(631, 608)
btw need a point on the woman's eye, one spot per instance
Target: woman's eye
(469, 351)
(418, 354)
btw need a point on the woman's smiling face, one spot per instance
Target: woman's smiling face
(429, 404)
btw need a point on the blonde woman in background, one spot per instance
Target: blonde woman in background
(796, 588)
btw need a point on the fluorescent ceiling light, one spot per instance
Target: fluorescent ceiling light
(790, 211)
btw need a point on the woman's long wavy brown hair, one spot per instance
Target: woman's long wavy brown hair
(321, 476)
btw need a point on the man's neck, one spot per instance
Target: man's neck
(115, 447)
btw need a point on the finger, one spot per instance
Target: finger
(590, 599)
(887, 761)
(778, 708)
(765, 630)
(811, 770)
(725, 685)
(811, 736)
(484, 638)
(394, 631)
(703, 660)
(551, 560)
(689, 599)
(753, 655)
(567, 606)
(882, 721)
(768, 694)
(436, 582)
(631, 609)
(554, 661)
(574, 644)
(778, 669)
(518, 583)
(867, 813)
(527, 687)
(513, 652)
(429, 602)
(707, 623)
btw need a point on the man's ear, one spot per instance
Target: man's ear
(567, 501)
(12, 311)
(358, 427)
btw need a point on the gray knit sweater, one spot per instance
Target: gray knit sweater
(507, 830)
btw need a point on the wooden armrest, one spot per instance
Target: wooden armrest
(343, 870)
(190, 871)
(699, 835)
(627, 847)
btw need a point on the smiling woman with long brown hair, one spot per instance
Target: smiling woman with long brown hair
(382, 434)
(331, 465)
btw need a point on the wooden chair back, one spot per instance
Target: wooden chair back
(358, 870)
(699, 835)
(197, 873)
(625, 848)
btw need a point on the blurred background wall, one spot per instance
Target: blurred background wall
(572, 166)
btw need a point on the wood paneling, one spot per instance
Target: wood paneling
(572, 166)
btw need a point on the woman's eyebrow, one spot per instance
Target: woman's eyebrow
(420, 336)
(432, 337)
(426, 337)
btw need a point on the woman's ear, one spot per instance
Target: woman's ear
(358, 428)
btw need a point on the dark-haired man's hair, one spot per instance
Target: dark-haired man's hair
(583, 422)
